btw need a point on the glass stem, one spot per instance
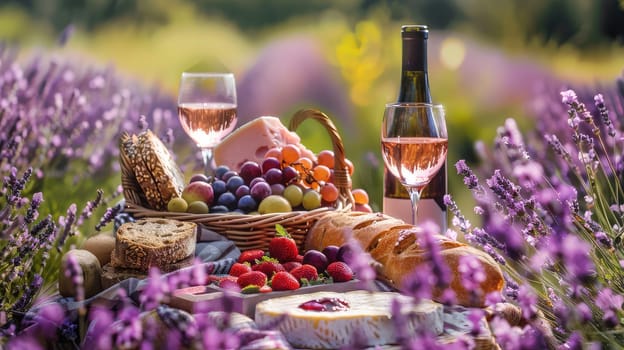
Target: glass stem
(414, 194)
(207, 154)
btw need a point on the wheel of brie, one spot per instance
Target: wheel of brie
(329, 320)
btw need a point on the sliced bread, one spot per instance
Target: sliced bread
(155, 242)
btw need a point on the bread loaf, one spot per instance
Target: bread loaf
(155, 171)
(112, 275)
(394, 244)
(153, 242)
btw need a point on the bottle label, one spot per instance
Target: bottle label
(428, 210)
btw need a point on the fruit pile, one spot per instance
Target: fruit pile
(286, 180)
(283, 268)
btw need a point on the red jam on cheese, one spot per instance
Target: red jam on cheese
(325, 304)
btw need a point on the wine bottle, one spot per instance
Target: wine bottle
(415, 88)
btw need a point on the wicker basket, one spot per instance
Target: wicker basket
(245, 230)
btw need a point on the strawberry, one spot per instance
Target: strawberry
(266, 289)
(229, 283)
(299, 259)
(268, 266)
(255, 278)
(282, 247)
(305, 271)
(238, 269)
(284, 281)
(291, 265)
(339, 271)
(251, 256)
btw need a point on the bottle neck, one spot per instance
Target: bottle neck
(414, 77)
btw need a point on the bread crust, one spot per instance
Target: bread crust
(394, 245)
(155, 170)
(153, 242)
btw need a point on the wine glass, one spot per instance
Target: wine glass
(207, 110)
(414, 145)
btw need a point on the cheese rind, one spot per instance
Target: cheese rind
(369, 315)
(252, 140)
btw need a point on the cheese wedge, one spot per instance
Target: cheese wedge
(251, 142)
(368, 313)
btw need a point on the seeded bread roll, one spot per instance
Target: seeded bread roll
(394, 244)
(155, 171)
(153, 242)
(112, 275)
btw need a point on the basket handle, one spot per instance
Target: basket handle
(342, 179)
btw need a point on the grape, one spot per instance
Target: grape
(246, 203)
(345, 254)
(255, 181)
(273, 176)
(360, 196)
(274, 204)
(294, 195)
(177, 204)
(234, 182)
(329, 192)
(326, 158)
(277, 189)
(290, 153)
(365, 208)
(218, 187)
(321, 173)
(219, 209)
(198, 207)
(331, 252)
(349, 166)
(220, 170)
(289, 175)
(311, 200)
(228, 200)
(228, 174)
(270, 163)
(260, 191)
(241, 191)
(250, 170)
(303, 165)
(316, 259)
(199, 177)
(274, 152)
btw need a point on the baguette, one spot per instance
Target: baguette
(394, 245)
(153, 242)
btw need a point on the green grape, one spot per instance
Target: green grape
(311, 200)
(177, 204)
(198, 207)
(294, 194)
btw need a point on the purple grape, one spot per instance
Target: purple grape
(277, 189)
(218, 187)
(316, 259)
(331, 252)
(260, 191)
(345, 254)
(234, 182)
(289, 175)
(228, 174)
(219, 209)
(227, 199)
(246, 203)
(273, 176)
(255, 181)
(270, 163)
(199, 177)
(250, 170)
(241, 191)
(220, 170)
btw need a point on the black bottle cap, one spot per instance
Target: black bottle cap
(415, 31)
